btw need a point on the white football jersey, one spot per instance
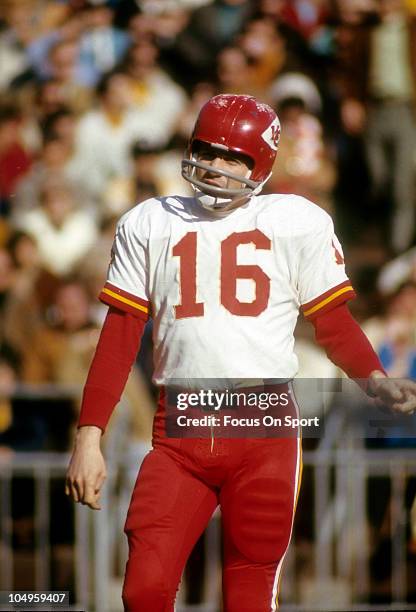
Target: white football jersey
(225, 289)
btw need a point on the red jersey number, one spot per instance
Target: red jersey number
(231, 271)
(186, 250)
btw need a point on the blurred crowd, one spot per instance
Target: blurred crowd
(97, 101)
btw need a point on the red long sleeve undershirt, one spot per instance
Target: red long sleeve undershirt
(345, 343)
(336, 331)
(114, 356)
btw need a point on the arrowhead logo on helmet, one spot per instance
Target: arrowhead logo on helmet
(272, 134)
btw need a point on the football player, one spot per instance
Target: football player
(224, 275)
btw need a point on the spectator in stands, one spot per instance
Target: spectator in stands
(63, 232)
(60, 350)
(60, 124)
(307, 17)
(265, 47)
(382, 100)
(22, 311)
(164, 21)
(39, 51)
(102, 46)
(307, 30)
(304, 164)
(158, 100)
(210, 28)
(105, 134)
(15, 160)
(200, 93)
(20, 430)
(16, 34)
(63, 57)
(153, 173)
(56, 160)
(397, 272)
(49, 98)
(60, 128)
(233, 71)
(394, 335)
(55, 55)
(6, 284)
(23, 21)
(8, 382)
(92, 269)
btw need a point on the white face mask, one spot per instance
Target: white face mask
(189, 172)
(215, 198)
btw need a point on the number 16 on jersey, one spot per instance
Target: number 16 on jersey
(229, 273)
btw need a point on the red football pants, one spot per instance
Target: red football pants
(180, 484)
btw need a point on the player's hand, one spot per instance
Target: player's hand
(397, 394)
(86, 472)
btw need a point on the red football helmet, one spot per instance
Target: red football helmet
(240, 124)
